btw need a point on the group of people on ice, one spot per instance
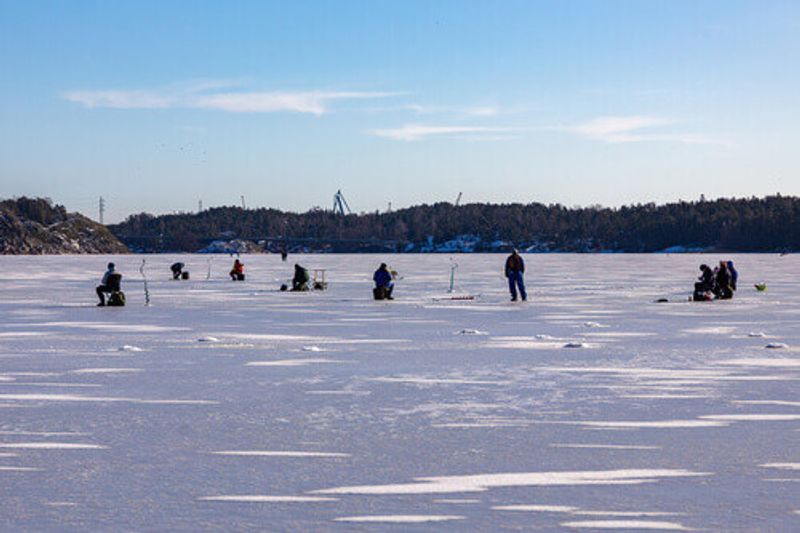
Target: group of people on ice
(384, 278)
(717, 284)
(713, 284)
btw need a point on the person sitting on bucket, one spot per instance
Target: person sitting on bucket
(704, 284)
(104, 286)
(300, 279)
(177, 270)
(237, 272)
(515, 268)
(383, 283)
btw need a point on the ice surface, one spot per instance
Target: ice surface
(626, 524)
(400, 519)
(233, 406)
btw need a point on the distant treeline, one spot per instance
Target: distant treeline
(745, 225)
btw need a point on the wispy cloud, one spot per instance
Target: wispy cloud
(470, 111)
(209, 95)
(417, 132)
(637, 128)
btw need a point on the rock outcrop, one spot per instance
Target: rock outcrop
(36, 226)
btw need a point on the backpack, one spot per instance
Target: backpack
(117, 299)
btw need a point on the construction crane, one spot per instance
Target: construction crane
(458, 200)
(340, 204)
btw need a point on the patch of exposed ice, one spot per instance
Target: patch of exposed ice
(782, 466)
(110, 326)
(45, 433)
(666, 396)
(607, 446)
(292, 362)
(265, 453)
(713, 330)
(575, 345)
(79, 398)
(415, 380)
(536, 508)
(22, 334)
(625, 524)
(484, 482)
(752, 417)
(400, 518)
(257, 498)
(579, 512)
(106, 370)
(342, 392)
(760, 361)
(767, 402)
(50, 446)
(652, 424)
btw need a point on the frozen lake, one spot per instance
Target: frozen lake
(233, 406)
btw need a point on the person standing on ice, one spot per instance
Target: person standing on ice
(722, 280)
(734, 275)
(384, 285)
(515, 268)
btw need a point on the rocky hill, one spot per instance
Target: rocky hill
(37, 226)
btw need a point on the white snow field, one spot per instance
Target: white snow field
(233, 406)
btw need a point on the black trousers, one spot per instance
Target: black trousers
(101, 289)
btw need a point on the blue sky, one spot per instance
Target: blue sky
(156, 105)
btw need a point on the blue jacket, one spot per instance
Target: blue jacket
(382, 278)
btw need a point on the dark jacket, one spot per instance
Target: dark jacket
(514, 263)
(707, 278)
(723, 278)
(382, 278)
(300, 275)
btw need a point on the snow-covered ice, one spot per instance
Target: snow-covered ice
(234, 406)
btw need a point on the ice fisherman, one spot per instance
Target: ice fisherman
(384, 283)
(722, 282)
(108, 284)
(704, 284)
(177, 270)
(515, 268)
(237, 272)
(300, 279)
(734, 275)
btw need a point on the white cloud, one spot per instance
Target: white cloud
(472, 111)
(120, 99)
(636, 128)
(208, 95)
(416, 132)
